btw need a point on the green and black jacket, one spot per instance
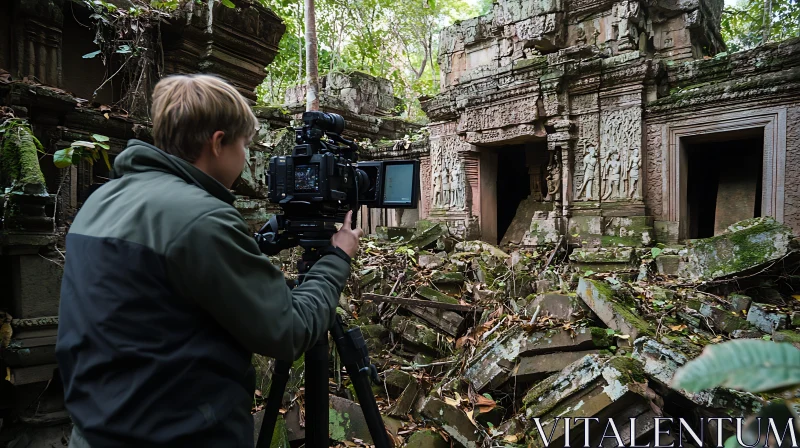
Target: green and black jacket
(165, 297)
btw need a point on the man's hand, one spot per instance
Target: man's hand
(347, 238)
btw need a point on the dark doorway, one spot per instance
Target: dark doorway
(513, 185)
(724, 181)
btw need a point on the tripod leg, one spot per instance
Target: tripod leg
(279, 379)
(352, 349)
(317, 399)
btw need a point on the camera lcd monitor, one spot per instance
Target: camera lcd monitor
(398, 184)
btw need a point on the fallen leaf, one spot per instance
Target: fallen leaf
(677, 327)
(451, 401)
(511, 438)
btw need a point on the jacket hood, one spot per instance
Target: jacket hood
(139, 157)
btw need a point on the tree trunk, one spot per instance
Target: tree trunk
(767, 21)
(312, 71)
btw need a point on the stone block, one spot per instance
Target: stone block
(446, 321)
(407, 400)
(726, 321)
(667, 232)
(427, 261)
(36, 286)
(766, 318)
(592, 386)
(601, 299)
(668, 264)
(660, 363)
(795, 319)
(427, 439)
(396, 381)
(492, 366)
(540, 366)
(584, 225)
(436, 296)
(542, 231)
(790, 336)
(746, 334)
(740, 302)
(427, 236)
(447, 278)
(559, 306)
(602, 255)
(453, 420)
(346, 421)
(418, 334)
(744, 246)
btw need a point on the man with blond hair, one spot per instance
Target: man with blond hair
(165, 294)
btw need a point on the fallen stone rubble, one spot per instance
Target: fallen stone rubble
(478, 346)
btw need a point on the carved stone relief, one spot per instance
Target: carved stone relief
(553, 178)
(629, 14)
(586, 181)
(620, 153)
(447, 174)
(517, 111)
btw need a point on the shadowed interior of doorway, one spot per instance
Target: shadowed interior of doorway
(724, 182)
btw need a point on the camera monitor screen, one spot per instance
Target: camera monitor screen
(306, 178)
(398, 184)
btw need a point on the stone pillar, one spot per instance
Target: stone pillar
(37, 30)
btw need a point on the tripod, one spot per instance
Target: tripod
(354, 355)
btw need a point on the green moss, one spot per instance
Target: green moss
(631, 370)
(645, 329)
(280, 436)
(790, 336)
(600, 337)
(338, 424)
(19, 160)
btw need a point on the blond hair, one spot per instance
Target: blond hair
(188, 109)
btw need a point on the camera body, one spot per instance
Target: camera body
(322, 179)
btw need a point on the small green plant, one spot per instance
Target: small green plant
(81, 150)
(749, 365)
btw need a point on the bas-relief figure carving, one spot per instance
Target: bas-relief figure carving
(590, 173)
(620, 153)
(634, 165)
(553, 179)
(447, 173)
(629, 14)
(612, 171)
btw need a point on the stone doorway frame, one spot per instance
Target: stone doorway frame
(772, 121)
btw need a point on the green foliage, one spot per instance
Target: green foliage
(750, 365)
(384, 38)
(81, 150)
(743, 25)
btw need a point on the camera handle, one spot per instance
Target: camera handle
(353, 352)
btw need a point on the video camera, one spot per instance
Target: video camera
(322, 180)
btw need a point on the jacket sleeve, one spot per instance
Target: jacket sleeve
(217, 263)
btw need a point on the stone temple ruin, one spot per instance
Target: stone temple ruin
(610, 123)
(604, 126)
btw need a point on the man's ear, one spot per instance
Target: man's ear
(216, 143)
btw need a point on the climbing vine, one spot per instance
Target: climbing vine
(129, 45)
(78, 151)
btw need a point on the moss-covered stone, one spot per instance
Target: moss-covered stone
(612, 308)
(19, 159)
(448, 278)
(432, 294)
(426, 439)
(743, 246)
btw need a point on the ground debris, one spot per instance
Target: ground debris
(474, 341)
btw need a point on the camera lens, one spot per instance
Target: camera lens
(334, 122)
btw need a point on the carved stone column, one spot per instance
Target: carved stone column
(37, 30)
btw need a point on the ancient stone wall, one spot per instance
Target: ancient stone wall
(755, 90)
(602, 82)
